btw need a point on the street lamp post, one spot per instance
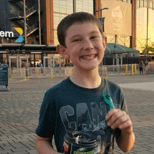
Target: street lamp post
(114, 57)
(100, 18)
(101, 13)
(74, 6)
(101, 10)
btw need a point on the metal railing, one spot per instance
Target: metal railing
(16, 14)
(149, 69)
(31, 11)
(32, 29)
(21, 23)
(120, 69)
(50, 72)
(20, 4)
(17, 72)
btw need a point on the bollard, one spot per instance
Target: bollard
(51, 76)
(126, 69)
(24, 79)
(132, 70)
(135, 69)
(107, 76)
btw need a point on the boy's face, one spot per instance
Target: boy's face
(84, 45)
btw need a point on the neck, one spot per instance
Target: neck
(86, 78)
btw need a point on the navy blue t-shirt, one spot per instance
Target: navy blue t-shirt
(69, 107)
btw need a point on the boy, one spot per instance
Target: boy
(76, 104)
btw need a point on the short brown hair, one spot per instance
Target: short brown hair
(79, 17)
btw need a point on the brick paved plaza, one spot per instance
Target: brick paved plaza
(19, 108)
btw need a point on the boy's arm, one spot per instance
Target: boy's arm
(120, 119)
(43, 146)
(126, 141)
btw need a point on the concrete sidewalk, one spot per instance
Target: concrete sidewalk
(19, 108)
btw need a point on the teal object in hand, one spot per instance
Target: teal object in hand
(108, 100)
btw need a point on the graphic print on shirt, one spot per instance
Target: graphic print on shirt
(86, 120)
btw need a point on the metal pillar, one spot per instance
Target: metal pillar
(34, 61)
(74, 6)
(116, 39)
(39, 16)
(13, 57)
(121, 59)
(133, 37)
(25, 28)
(147, 23)
(48, 58)
(23, 57)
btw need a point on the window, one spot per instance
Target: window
(128, 1)
(56, 8)
(145, 3)
(63, 9)
(138, 4)
(79, 5)
(56, 18)
(150, 5)
(141, 3)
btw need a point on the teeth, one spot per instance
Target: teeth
(89, 57)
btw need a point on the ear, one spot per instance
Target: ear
(62, 51)
(104, 41)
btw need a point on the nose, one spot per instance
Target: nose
(87, 45)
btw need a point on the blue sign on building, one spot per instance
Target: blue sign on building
(102, 21)
(3, 75)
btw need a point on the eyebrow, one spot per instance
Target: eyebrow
(94, 32)
(78, 35)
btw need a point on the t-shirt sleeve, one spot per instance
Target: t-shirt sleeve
(123, 103)
(47, 116)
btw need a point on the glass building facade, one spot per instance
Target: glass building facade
(126, 1)
(62, 8)
(123, 39)
(144, 26)
(145, 23)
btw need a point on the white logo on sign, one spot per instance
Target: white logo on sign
(117, 13)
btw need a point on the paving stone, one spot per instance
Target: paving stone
(6, 151)
(19, 110)
(32, 151)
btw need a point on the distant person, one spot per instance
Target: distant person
(141, 65)
(41, 65)
(23, 64)
(62, 64)
(146, 66)
(38, 65)
(78, 104)
(146, 62)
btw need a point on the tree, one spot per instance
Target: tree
(147, 48)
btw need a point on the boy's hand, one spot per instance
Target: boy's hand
(119, 119)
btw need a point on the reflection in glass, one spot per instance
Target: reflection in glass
(151, 4)
(62, 8)
(141, 3)
(145, 3)
(138, 4)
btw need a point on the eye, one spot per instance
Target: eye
(76, 40)
(93, 37)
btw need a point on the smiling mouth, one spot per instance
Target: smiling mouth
(89, 57)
